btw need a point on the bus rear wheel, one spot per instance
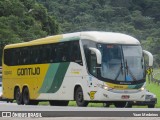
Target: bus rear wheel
(18, 96)
(80, 98)
(26, 98)
(58, 103)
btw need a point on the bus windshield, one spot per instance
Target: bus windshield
(122, 62)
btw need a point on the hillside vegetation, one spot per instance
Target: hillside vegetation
(24, 20)
(139, 18)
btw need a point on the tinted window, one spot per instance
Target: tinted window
(47, 53)
(76, 53)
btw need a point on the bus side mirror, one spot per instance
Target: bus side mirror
(98, 54)
(150, 56)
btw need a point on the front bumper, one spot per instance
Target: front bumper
(107, 95)
(152, 101)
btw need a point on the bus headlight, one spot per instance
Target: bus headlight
(103, 87)
(142, 88)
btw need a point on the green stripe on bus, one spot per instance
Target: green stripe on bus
(59, 77)
(135, 86)
(52, 70)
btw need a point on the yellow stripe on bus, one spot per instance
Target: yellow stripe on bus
(117, 86)
(50, 39)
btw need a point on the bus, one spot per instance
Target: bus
(88, 66)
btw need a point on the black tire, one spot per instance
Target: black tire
(151, 106)
(58, 103)
(18, 96)
(26, 98)
(79, 98)
(120, 104)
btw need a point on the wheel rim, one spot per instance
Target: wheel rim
(80, 97)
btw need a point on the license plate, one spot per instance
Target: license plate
(125, 97)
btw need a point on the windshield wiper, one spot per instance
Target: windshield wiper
(129, 71)
(120, 70)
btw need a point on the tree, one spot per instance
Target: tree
(139, 18)
(24, 20)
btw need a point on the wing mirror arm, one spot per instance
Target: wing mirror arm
(150, 56)
(98, 54)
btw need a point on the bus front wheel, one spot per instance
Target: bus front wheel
(18, 96)
(80, 98)
(120, 104)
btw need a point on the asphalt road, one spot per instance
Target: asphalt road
(77, 113)
(14, 107)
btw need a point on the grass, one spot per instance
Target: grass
(154, 88)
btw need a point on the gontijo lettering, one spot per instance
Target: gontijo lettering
(28, 71)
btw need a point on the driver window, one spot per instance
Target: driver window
(91, 62)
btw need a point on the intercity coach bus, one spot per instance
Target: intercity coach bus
(86, 67)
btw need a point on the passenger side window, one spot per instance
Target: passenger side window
(48, 53)
(76, 53)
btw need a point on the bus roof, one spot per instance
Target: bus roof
(101, 37)
(105, 37)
